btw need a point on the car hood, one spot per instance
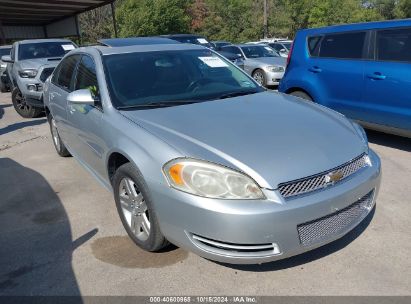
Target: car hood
(269, 61)
(39, 62)
(272, 137)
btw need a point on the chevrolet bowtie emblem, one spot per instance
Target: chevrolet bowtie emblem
(333, 177)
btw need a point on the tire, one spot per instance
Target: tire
(302, 95)
(57, 142)
(259, 76)
(136, 210)
(3, 87)
(22, 108)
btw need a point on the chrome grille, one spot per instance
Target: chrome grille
(46, 73)
(320, 229)
(319, 181)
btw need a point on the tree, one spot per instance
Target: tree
(403, 9)
(96, 24)
(152, 17)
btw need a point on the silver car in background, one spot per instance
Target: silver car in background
(264, 64)
(4, 79)
(29, 64)
(198, 154)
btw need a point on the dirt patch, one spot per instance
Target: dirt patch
(121, 251)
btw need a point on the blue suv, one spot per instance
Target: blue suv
(361, 70)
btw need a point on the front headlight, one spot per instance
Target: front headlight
(28, 73)
(275, 68)
(210, 180)
(3, 65)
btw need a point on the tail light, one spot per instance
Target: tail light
(290, 54)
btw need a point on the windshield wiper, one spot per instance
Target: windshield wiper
(235, 94)
(161, 104)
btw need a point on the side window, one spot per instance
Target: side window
(345, 46)
(229, 49)
(87, 77)
(314, 45)
(394, 45)
(276, 46)
(65, 73)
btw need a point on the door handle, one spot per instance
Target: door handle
(377, 76)
(315, 69)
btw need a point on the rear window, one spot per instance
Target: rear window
(344, 46)
(394, 45)
(314, 45)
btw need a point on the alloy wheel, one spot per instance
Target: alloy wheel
(259, 77)
(55, 134)
(134, 209)
(21, 103)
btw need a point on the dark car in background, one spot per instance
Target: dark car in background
(361, 70)
(4, 79)
(190, 38)
(219, 44)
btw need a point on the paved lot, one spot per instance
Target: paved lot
(60, 234)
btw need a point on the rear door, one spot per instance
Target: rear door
(61, 86)
(335, 69)
(388, 79)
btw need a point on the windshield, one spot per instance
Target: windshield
(257, 51)
(4, 52)
(44, 50)
(136, 79)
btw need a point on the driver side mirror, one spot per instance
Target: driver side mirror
(81, 97)
(7, 59)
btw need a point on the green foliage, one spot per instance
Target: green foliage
(152, 17)
(235, 20)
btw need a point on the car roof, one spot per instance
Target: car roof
(43, 40)
(249, 44)
(104, 50)
(359, 26)
(114, 42)
(181, 35)
(5, 46)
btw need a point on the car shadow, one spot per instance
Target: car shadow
(21, 125)
(389, 140)
(309, 256)
(35, 236)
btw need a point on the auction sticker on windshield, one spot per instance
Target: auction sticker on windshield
(202, 40)
(213, 62)
(67, 47)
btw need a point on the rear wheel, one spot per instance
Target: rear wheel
(136, 210)
(22, 108)
(259, 76)
(302, 95)
(58, 143)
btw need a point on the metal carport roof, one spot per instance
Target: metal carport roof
(23, 14)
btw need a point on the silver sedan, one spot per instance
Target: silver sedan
(264, 64)
(197, 154)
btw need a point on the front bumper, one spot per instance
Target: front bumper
(32, 88)
(187, 220)
(273, 78)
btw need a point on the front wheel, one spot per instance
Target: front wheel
(136, 210)
(259, 76)
(22, 107)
